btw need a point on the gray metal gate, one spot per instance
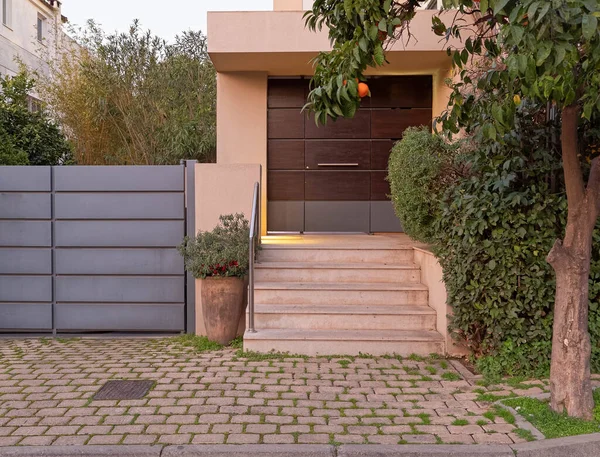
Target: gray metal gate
(92, 248)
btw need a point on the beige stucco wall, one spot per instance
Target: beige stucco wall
(242, 123)
(432, 276)
(287, 5)
(221, 189)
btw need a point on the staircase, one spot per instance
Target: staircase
(346, 294)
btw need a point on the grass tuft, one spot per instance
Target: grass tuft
(450, 376)
(553, 424)
(198, 343)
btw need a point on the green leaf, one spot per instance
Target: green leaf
(484, 5)
(589, 24)
(348, 8)
(542, 55)
(383, 25)
(378, 55)
(543, 12)
(387, 5)
(373, 30)
(363, 44)
(499, 5)
(522, 63)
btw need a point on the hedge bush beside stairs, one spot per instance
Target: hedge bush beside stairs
(491, 217)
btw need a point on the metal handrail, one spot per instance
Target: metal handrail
(254, 239)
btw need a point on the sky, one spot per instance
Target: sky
(166, 18)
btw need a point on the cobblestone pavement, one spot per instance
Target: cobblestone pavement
(220, 397)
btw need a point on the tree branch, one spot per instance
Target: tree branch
(573, 176)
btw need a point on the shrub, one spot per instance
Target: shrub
(417, 165)
(220, 252)
(26, 137)
(491, 229)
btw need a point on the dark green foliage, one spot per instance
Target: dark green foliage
(416, 167)
(222, 252)
(492, 226)
(27, 137)
(492, 235)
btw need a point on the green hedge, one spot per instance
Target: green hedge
(491, 229)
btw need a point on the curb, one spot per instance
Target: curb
(573, 446)
(81, 451)
(428, 450)
(253, 450)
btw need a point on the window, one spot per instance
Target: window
(33, 104)
(41, 27)
(7, 12)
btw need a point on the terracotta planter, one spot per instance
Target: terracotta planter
(222, 307)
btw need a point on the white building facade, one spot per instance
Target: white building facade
(30, 32)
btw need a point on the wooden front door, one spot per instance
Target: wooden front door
(332, 178)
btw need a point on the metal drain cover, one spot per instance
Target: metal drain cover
(123, 390)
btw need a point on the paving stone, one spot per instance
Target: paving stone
(349, 439)
(118, 420)
(383, 439)
(495, 438)
(105, 440)
(95, 430)
(419, 439)
(37, 440)
(175, 439)
(78, 440)
(457, 439)
(313, 438)
(208, 439)
(9, 440)
(465, 429)
(28, 431)
(227, 428)
(139, 439)
(278, 439)
(79, 420)
(499, 428)
(245, 438)
(63, 430)
(162, 429)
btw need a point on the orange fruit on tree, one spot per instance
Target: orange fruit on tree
(363, 90)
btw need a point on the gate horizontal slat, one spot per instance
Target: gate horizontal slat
(119, 233)
(124, 205)
(36, 261)
(120, 317)
(159, 261)
(114, 178)
(19, 205)
(119, 289)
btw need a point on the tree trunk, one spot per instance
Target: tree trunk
(570, 383)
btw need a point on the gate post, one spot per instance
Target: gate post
(190, 230)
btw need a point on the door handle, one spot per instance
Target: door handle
(337, 165)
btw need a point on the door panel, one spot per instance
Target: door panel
(380, 187)
(285, 123)
(355, 128)
(391, 123)
(285, 155)
(351, 155)
(287, 93)
(285, 185)
(337, 185)
(401, 92)
(380, 154)
(337, 216)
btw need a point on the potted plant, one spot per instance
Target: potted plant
(219, 258)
